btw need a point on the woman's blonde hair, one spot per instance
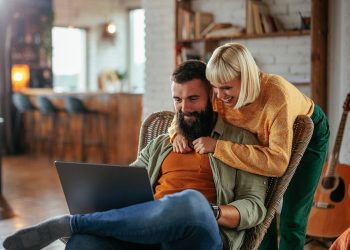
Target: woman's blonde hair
(233, 60)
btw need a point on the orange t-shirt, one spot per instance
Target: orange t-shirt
(186, 171)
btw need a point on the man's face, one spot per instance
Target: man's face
(194, 114)
(189, 97)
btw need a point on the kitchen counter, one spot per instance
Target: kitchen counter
(123, 112)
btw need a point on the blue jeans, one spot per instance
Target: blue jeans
(182, 220)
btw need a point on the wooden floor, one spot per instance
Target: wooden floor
(32, 189)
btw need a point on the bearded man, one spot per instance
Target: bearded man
(200, 202)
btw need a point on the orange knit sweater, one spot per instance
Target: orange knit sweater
(270, 117)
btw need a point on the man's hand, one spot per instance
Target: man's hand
(180, 144)
(204, 145)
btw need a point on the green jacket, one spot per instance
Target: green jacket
(234, 187)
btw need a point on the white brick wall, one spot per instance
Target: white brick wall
(223, 10)
(288, 56)
(287, 11)
(160, 43)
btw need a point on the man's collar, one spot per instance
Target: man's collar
(219, 127)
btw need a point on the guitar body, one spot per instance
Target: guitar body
(330, 213)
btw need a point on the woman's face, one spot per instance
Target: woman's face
(228, 92)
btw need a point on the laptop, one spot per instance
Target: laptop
(90, 187)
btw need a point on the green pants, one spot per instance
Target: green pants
(297, 200)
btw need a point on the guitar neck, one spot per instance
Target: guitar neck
(336, 149)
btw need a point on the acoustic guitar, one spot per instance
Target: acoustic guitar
(330, 213)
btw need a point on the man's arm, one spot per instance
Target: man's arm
(143, 157)
(250, 193)
(155, 148)
(230, 216)
(249, 201)
(248, 209)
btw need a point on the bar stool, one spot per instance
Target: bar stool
(88, 118)
(49, 124)
(25, 109)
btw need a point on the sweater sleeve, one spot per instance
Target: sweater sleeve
(271, 160)
(172, 130)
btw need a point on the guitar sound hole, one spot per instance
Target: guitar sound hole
(338, 194)
(328, 182)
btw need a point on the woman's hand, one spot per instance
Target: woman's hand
(180, 144)
(204, 145)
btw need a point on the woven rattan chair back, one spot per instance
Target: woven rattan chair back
(302, 132)
(155, 124)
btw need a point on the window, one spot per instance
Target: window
(137, 55)
(69, 59)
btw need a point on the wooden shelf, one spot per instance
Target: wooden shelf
(318, 37)
(251, 36)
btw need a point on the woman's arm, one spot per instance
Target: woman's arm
(270, 159)
(180, 143)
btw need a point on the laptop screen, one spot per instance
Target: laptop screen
(92, 187)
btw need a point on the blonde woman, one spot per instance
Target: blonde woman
(266, 105)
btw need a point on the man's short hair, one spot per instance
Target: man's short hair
(190, 70)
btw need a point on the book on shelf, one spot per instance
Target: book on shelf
(225, 32)
(186, 53)
(258, 18)
(185, 24)
(202, 20)
(268, 23)
(215, 26)
(249, 18)
(179, 23)
(260, 10)
(257, 6)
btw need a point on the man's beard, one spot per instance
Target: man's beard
(200, 124)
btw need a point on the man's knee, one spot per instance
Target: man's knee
(193, 203)
(193, 197)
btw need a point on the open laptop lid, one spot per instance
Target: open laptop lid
(92, 187)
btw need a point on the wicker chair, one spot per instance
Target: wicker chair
(158, 123)
(302, 132)
(155, 124)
